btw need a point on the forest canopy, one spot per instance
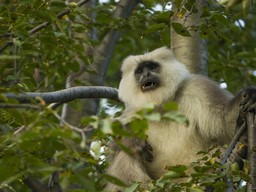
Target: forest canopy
(51, 45)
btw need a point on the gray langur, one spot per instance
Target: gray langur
(157, 77)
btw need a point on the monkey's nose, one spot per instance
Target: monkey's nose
(146, 74)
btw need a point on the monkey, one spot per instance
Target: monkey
(157, 77)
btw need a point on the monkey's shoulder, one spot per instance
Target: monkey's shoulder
(203, 88)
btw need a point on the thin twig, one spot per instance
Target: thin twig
(19, 130)
(60, 15)
(7, 44)
(25, 106)
(79, 130)
(6, 35)
(66, 123)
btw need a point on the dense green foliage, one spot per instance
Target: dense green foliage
(35, 144)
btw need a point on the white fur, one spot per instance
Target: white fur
(207, 107)
(173, 71)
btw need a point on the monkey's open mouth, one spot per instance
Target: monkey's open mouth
(149, 84)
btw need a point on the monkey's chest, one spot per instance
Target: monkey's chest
(172, 144)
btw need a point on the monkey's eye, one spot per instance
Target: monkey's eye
(152, 66)
(139, 70)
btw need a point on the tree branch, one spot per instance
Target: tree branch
(45, 24)
(60, 15)
(7, 44)
(24, 106)
(251, 134)
(184, 47)
(69, 94)
(54, 184)
(233, 143)
(35, 185)
(104, 51)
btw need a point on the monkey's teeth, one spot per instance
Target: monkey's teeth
(147, 85)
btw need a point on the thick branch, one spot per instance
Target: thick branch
(69, 94)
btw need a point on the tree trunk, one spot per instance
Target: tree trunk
(101, 59)
(192, 51)
(251, 134)
(70, 111)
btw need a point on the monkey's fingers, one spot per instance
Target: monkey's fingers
(148, 156)
(249, 106)
(149, 146)
(248, 102)
(146, 152)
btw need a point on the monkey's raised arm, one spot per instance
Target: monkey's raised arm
(212, 110)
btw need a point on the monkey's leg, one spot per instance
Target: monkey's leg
(128, 169)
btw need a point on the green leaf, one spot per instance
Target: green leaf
(175, 172)
(45, 15)
(195, 189)
(9, 57)
(61, 27)
(149, 3)
(139, 127)
(155, 28)
(221, 19)
(164, 17)
(58, 3)
(114, 180)
(176, 116)
(178, 28)
(178, 3)
(96, 149)
(79, 28)
(118, 129)
(74, 66)
(153, 116)
(170, 106)
(131, 188)
(190, 5)
(107, 126)
(9, 164)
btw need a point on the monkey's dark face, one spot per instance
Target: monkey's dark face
(146, 75)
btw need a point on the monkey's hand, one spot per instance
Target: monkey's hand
(248, 103)
(146, 152)
(139, 147)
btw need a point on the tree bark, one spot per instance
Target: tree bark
(251, 134)
(192, 51)
(101, 59)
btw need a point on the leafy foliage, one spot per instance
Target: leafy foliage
(36, 144)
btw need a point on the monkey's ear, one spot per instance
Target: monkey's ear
(129, 63)
(162, 53)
